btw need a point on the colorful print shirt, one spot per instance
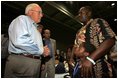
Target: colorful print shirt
(96, 33)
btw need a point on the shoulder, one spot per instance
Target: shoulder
(97, 19)
(22, 17)
(99, 22)
(53, 40)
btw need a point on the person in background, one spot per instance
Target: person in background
(4, 52)
(70, 59)
(25, 45)
(99, 39)
(40, 28)
(48, 63)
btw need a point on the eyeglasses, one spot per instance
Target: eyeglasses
(40, 12)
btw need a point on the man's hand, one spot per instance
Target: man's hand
(86, 69)
(46, 51)
(71, 62)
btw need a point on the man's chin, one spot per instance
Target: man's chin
(39, 21)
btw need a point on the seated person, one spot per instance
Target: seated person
(59, 67)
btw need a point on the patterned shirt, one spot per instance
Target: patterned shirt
(96, 33)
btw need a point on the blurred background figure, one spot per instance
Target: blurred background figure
(70, 60)
(48, 63)
(4, 52)
(40, 28)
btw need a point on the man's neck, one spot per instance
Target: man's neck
(47, 38)
(88, 22)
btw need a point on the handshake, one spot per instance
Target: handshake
(46, 51)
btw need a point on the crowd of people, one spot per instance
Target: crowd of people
(32, 52)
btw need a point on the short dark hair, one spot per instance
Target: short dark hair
(40, 25)
(88, 8)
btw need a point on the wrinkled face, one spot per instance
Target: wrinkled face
(36, 14)
(47, 34)
(83, 15)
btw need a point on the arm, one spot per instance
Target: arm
(86, 70)
(107, 43)
(103, 49)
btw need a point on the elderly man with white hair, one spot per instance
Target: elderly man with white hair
(25, 44)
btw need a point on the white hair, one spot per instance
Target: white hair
(30, 7)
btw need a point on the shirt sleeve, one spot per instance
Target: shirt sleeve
(104, 30)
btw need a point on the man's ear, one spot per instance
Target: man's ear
(29, 13)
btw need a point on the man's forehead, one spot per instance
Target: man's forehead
(37, 8)
(82, 9)
(47, 31)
